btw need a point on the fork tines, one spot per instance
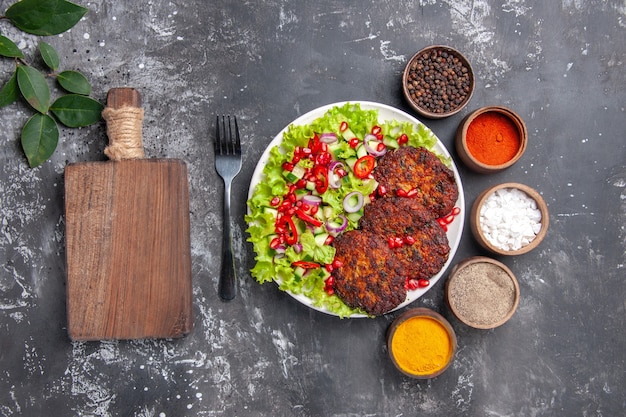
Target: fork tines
(224, 144)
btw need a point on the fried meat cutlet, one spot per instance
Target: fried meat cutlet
(428, 253)
(406, 218)
(395, 216)
(408, 168)
(370, 275)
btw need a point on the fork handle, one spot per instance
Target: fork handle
(227, 288)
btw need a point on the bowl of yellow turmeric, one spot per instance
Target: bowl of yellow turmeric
(421, 343)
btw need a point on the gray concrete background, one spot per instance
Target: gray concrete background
(560, 65)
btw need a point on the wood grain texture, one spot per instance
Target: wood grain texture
(128, 250)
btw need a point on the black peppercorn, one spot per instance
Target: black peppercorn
(438, 81)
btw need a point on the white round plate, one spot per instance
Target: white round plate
(385, 112)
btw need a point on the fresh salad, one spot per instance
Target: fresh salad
(313, 188)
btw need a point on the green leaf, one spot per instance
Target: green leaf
(34, 87)
(49, 55)
(45, 17)
(9, 49)
(74, 82)
(40, 136)
(9, 92)
(74, 110)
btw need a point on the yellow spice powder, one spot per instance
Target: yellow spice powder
(421, 345)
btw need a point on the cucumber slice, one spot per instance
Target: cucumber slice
(320, 239)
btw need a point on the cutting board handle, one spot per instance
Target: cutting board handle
(124, 116)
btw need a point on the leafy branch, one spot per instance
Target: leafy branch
(40, 134)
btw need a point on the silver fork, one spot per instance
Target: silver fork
(227, 165)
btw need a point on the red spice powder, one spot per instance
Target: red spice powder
(493, 138)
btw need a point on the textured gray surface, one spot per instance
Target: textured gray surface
(560, 65)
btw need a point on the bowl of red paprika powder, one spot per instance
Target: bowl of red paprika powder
(491, 139)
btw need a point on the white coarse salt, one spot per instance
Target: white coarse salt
(510, 219)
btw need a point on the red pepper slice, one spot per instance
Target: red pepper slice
(364, 166)
(305, 264)
(313, 144)
(291, 233)
(321, 178)
(308, 218)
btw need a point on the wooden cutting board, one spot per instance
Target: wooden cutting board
(127, 237)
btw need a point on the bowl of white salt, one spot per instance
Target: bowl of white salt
(509, 219)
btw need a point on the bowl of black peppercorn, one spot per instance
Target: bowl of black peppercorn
(438, 82)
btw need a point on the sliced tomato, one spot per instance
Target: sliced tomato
(364, 166)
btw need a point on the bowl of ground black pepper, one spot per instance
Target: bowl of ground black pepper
(482, 292)
(491, 139)
(438, 81)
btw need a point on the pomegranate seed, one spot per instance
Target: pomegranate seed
(412, 192)
(328, 285)
(456, 211)
(376, 130)
(288, 166)
(380, 147)
(329, 240)
(422, 283)
(275, 243)
(401, 193)
(391, 242)
(337, 263)
(329, 268)
(354, 142)
(314, 210)
(275, 201)
(382, 190)
(403, 139)
(409, 240)
(343, 127)
(411, 284)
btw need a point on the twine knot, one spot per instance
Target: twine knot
(124, 132)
